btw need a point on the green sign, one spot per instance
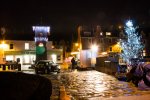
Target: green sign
(40, 50)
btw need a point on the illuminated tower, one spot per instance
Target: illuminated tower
(41, 38)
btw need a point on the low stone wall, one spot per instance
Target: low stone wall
(106, 66)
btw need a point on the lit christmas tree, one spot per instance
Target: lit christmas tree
(131, 45)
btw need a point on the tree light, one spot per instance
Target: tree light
(129, 23)
(132, 45)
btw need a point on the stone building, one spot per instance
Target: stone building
(24, 52)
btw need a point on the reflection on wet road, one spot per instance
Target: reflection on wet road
(85, 85)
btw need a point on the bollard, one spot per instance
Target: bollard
(63, 95)
(6, 67)
(3, 67)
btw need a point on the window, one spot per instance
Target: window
(109, 40)
(9, 58)
(58, 57)
(108, 33)
(26, 46)
(144, 53)
(11, 46)
(110, 48)
(54, 58)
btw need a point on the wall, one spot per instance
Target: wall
(26, 56)
(103, 64)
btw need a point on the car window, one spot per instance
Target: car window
(45, 63)
(40, 63)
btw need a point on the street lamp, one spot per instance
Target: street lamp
(94, 48)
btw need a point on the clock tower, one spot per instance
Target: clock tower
(41, 38)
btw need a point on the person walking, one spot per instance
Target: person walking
(73, 62)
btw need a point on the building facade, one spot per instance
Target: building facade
(96, 43)
(107, 42)
(25, 52)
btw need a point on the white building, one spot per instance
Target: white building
(11, 50)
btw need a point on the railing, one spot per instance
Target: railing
(10, 67)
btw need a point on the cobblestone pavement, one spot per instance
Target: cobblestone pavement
(56, 83)
(91, 85)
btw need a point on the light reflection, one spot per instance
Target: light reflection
(3, 45)
(93, 84)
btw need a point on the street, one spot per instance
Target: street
(91, 85)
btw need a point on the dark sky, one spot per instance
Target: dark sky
(64, 16)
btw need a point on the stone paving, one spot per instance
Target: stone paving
(91, 85)
(56, 83)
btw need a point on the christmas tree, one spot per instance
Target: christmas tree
(131, 45)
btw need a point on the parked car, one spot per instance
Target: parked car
(46, 66)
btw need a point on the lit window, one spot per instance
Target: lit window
(26, 46)
(26, 59)
(54, 57)
(108, 33)
(144, 53)
(9, 58)
(101, 33)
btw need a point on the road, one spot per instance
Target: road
(92, 85)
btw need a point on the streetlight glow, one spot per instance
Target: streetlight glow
(3, 45)
(76, 44)
(94, 47)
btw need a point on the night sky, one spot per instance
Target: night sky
(64, 16)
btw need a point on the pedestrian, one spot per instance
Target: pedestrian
(73, 62)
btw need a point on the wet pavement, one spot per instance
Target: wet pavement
(91, 85)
